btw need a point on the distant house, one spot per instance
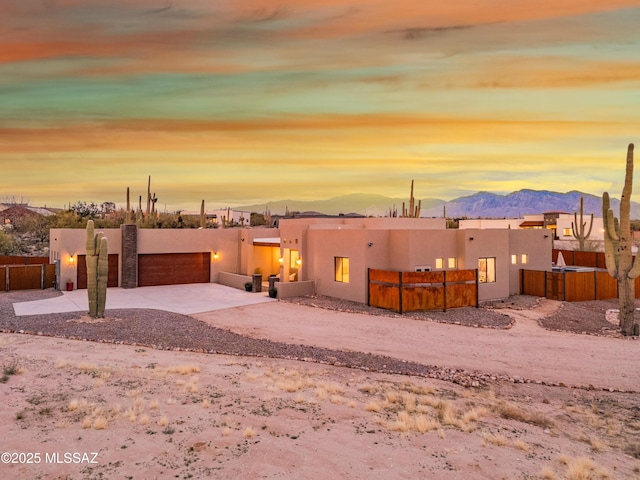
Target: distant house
(222, 217)
(558, 223)
(10, 214)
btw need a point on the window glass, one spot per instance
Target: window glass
(487, 270)
(342, 269)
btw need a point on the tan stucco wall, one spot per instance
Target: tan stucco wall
(234, 247)
(67, 242)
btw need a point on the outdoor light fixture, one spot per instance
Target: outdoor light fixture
(281, 260)
(299, 262)
(215, 255)
(71, 260)
(370, 244)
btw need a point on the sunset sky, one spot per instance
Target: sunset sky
(241, 101)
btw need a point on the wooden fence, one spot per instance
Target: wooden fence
(411, 291)
(26, 277)
(582, 259)
(571, 286)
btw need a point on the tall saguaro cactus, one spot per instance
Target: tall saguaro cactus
(577, 228)
(618, 255)
(203, 218)
(97, 271)
(413, 211)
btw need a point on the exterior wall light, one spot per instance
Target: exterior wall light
(281, 260)
(299, 262)
(215, 255)
(72, 260)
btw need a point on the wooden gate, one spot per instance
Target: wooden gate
(412, 291)
(27, 277)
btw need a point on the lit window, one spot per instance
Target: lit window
(342, 269)
(566, 232)
(451, 262)
(294, 257)
(439, 262)
(487, 270)
(514, 259)
(524, 258)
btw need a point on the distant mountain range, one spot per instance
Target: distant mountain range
(478, 205)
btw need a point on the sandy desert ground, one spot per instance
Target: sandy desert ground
(86, 410)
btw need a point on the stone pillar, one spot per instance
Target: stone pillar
(129, 256)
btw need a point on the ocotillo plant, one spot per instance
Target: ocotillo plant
(97, 271)
(617, 249)
(577, 228)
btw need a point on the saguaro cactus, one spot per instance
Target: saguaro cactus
(97, 271)
(577, 228)
(413, 211)
(203, 219)
(618, 255)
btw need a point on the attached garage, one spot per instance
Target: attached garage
(173, 268)
(112, 278)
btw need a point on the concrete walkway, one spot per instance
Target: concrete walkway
(184, 299)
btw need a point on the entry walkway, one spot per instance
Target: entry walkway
(184, 299)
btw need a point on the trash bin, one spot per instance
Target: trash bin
(257, 282)
(272, 281)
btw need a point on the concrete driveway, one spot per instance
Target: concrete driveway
(185, 299)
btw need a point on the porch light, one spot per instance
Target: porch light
(281, 260)
(299, 262)
(215, 255)
(72, 260)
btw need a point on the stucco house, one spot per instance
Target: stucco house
(328, 256)
(560, 224)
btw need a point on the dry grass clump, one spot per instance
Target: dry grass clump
(508, 411)
(494, 439)
(62, 363)
(547, 473)
(100, 423)
(163, 422)
(184, 369)
(581, 468)
(411, 408)
(248, 432)
(226, 431)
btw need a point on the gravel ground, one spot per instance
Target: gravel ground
(171, 331)
(579, 317)
(467, 316)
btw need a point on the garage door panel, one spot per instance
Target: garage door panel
(173, 268)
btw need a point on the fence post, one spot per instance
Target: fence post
(444, 289)
(7, 276)
(42, 276)
(368, 287)
(477, 290)
(400, 292)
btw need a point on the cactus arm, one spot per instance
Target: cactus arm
(590, 227)
(102, 277)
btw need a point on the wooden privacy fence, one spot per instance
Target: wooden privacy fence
(27, 277)
(571, 286)
(411, 291)
(582, 259)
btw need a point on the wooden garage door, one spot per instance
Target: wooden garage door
(173, 268)
(112, 276)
